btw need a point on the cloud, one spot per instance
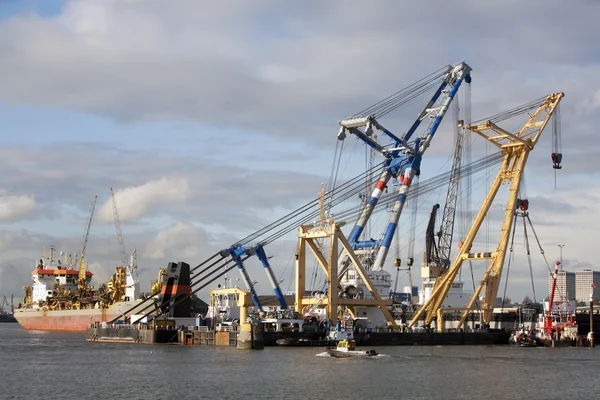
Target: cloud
(180, 241)
(135, 202)
(12, 281)
(13, 208)
(234, 197)
(136, 61)
(596, 100)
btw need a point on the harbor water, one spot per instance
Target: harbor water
(36, 364)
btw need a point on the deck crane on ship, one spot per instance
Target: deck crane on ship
(516, 148)
(82, 279)
(128, 263)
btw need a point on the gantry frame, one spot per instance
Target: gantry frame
(516, 148)
(307, 236)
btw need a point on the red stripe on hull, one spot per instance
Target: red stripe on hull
(77, 322)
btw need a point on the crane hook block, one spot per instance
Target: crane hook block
(556, 160)
(523, 205)
(409, 261)
(397, 262)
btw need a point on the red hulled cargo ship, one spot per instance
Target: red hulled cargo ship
(61, 298)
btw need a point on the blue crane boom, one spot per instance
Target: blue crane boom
(403, 160)
(236, 251)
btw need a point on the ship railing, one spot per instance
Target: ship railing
(198, 328)
(225, 328)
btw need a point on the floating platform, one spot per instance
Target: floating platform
(432, 338)
(409, 339)
(121, 333)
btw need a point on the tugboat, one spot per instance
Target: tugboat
(347, 348)
(557, 326)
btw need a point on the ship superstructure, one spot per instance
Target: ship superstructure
(55, 276)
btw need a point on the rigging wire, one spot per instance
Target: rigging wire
(355, 186)
(299, 212)
(524, 108)
(420, 188)
(529, 258)
(396, 98)
(510, 258)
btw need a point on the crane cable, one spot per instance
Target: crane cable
(529, 258)
(422, 187)
(352, 188)
(513, 112)
(403, 96)
(510, 258)
(152, 295)
(298, 212)
(541, 249)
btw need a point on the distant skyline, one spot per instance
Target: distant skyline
(212, 120)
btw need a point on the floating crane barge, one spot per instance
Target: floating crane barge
(362, 256)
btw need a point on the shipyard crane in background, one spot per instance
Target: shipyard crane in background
(436, 257)
(516, 148)
(81, 279)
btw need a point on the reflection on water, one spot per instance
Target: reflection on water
(63, 365)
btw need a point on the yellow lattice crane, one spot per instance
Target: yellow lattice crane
(516, 148)
(82, 279)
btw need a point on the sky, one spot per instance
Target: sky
(211, 120)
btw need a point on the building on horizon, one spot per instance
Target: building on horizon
(565, 286)
(584, 280)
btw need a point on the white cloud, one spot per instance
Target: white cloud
(596, 100)
(143, 61)
(180, 240)
(13, 208)
(136, 202)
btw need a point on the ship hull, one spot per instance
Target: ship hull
(71, 320)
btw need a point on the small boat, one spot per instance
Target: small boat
(347, 348)
(526, 341)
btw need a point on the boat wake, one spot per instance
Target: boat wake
(323, 354)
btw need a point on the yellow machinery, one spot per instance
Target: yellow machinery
(516, 148)
(27, 297)
(157, 284)
(116, 286)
